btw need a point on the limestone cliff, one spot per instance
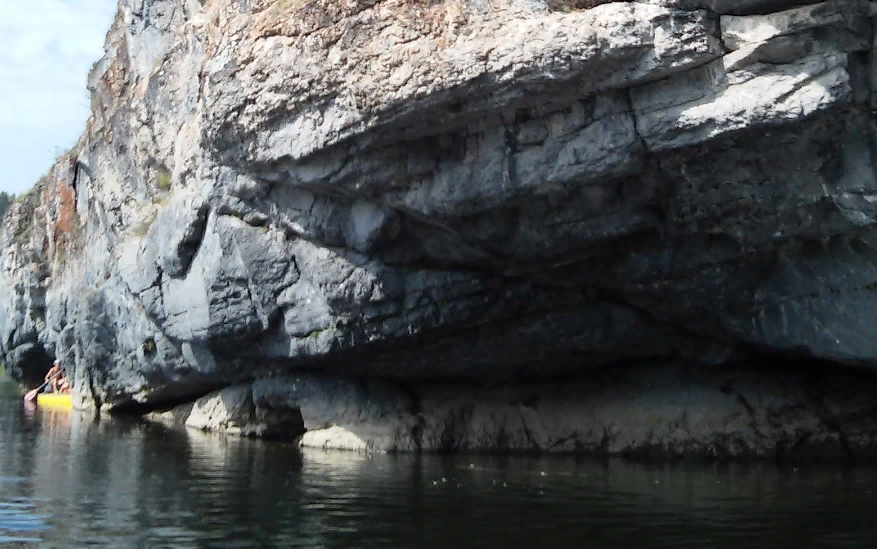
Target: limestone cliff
(468, 224)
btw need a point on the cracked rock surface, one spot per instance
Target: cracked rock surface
(388, 224)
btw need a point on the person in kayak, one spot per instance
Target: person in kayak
(57, 381)
(54, 382)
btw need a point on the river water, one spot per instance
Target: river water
(68, 481)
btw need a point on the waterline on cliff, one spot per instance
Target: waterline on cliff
(779, 410)
(121, 483)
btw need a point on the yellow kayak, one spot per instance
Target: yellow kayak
(54, 400)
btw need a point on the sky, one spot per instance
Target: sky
(46, 50)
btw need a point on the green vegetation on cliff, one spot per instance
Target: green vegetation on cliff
(5, 200)
(8, 386)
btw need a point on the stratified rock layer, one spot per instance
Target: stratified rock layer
(438, 195)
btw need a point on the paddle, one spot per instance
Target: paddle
(31, 395)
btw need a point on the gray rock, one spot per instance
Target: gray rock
(661, 411)
(177, 232)
(408, 201)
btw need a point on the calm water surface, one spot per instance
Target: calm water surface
(67, 481)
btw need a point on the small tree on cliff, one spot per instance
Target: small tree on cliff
(5, 200)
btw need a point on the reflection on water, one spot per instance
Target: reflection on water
(67, 481)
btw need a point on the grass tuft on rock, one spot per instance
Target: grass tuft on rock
(163, 182)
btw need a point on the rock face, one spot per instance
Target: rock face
(655, 411)
(414, 199)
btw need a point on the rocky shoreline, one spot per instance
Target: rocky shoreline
(655, 412)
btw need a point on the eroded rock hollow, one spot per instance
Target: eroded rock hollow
(469, 225)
